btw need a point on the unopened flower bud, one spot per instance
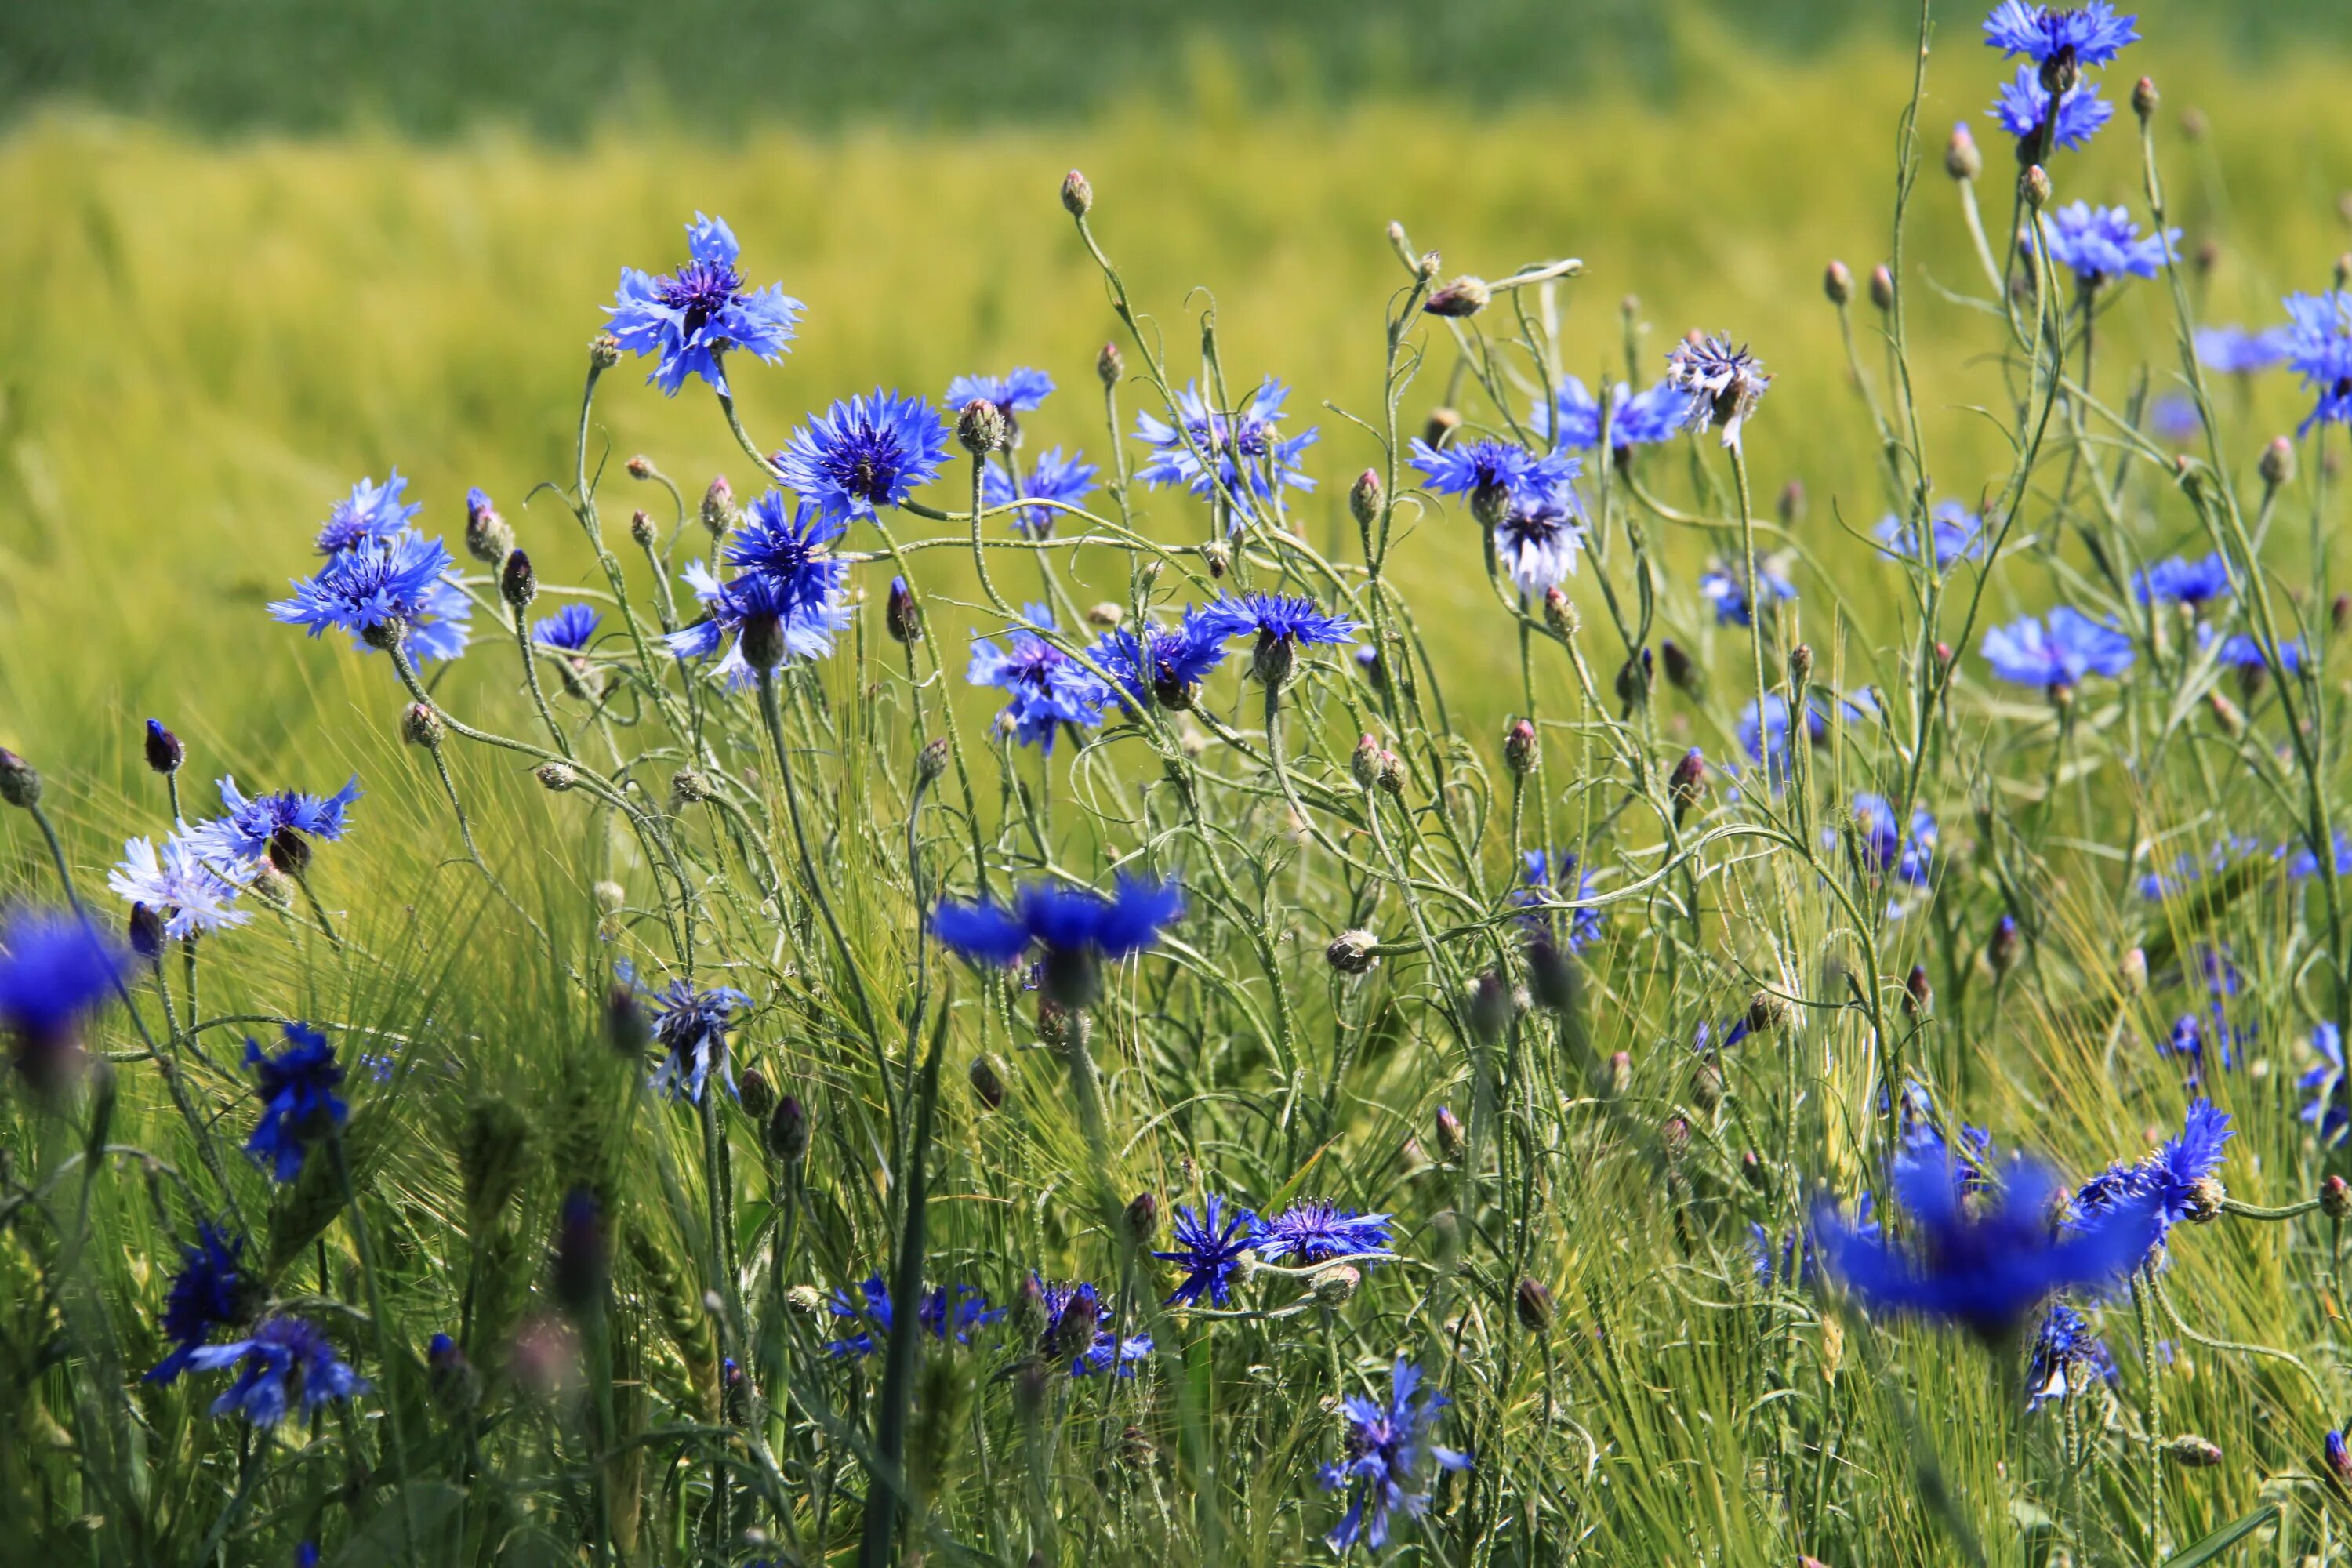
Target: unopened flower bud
(2206, 257)
(1274, 659)
(1553, 979)
(2278, 462)
(1916, 991)
(1364, 762)
(640, 466)
(980, 427)
(1521, 750)
(1618, 1079)
(487, 537)
(643, 532)
(902, 617)
(1109, 364)
(2062, 72)
(758, 1096)
(1682, 673)
(1882, 287)
(1559, 611)
(20, 782)
(2188, 1451)
(1077, 196)
(1837, 282)
(985, 1083)
(1351, 952)
(2226, 714)
(1687, 779)
(719, 513)
(2339, 1459)
(2000, 948)
(1142, 1217)
(1707, 1086)
(787, 1132)
(689, 787)
(2035, 184)
(1766, 1011)
(518, 584)
(1792, 504)
(146, 933)
(1442, 422)
(1365, 498)
(1465, 296)
(1219, 557)
(2144, 98)
(604, 351)
(1451, 1141)
(1961, 159)
(1674, 1133)
(581, 1260)
(164, 752)
(556, 777)
(1333, 1285)
(1800, 665)
(1393, 774)
(762, 642)
(1488, 1008)
(2336, 1198)
(931, 760)
(2133, 973)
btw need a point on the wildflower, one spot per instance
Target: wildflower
(2191, 1035)
(1728, 591)
(1539, 537)
(1719, 384)
(569, 631)
(245, 835)
(1384, 1459)
(2301, 860)
(1986, 1264)
(371, 513)
(2178, 580)
(1283, 624)
(176, 882)
(2023, 105)
(54, 970)
(1045, 687)
(1209, 1246)
(2175, 418)
(805, 631)
(2330, 1108)
(2185, 868)
(400, 590)
(2234, 350)
(1541, 874)
(1955, 534)
(1245, 452)
(2065, 1347)
(691, 318)
(2060, 652)
(1052, 478)
(1017, 391)
(1910, 855)
(2174, 1184)
(1312, 1231)
(165, 752)
(691, 1027)
(940, 1310)
(1794, 1262)
(865, 452)
(1078, 928)
(2241, 652)
(1074, 1318)
(286, 1361)
(299, 1103)
(2103, 243)
(1488, 465)
(2339, 1458)
(2318, 338)
(2091, 34)
(1167, 665)
(210, 1291)
(1640, 419)
(1763, 732)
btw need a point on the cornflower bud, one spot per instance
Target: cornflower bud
(1442, 422)
(1219, 555)
(1618, 1080)
(1364, 762)
(604, 351)
(2145, 97)
(2000, 948)
(719, 513)
(931, 760)
(787, 1132)
(1766, 1011)
(759, 1096)
(1707, 1086)
(2035, 184)
(1077, 196)
(1753, 1172)
(1633, 679)
(557, 777)
(1465, 296)
(581, 1259)
(1882, 287)
(1681, 673)
(689, 787)
(2133, 974)
(1521, 750)
(980, 427)
(2278, 462)
(2226, 714)
(164, 752)
(20, 782)
(1674, 1133)
(902, 615)
(146, 933)
(1109, 364)
(1490, 1007)
(1800, 666)
(1426, 268)
(1351, 952)
(1393, 774)
(289, 851)
(2340, 1459)
(1142, 1218)
(2206, 257)
(1559, 613)
(1916, 991)
(2206, 1195)
(2061, 73)
(1333, 1285)
(2336, 1198)
(2192, 1452)
(1792, 503)
(1683, 786)
(1961, 159)
(985, 1083)
(1274, 659)
(643, 531)
(1552, 977)
(518, 584)
(1837, 282)
(1365, 498)
(1451, 1141)
(762, 642)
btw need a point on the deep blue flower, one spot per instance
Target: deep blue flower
(1044, 688)
(54, 970)
(568, 629)
(1467, 466)
(1052, 477)
(1075, 927)
(2022, 105)
(691, 1027)
(1291, 618)
(1016, 391)
(1726, 590)
(174, 881)
(2178, 581)
(2171, 1185)
(1383, 1468)
(2090, 35)
(1954, 533)
(1719, 384)
(2234, 350)
(2065, 1348)
(1074, 1319)
(210, 1291)
(2339, 1457)
(1163, 662)
(960, 1308)
(1312, 1231)
(1886, 847)
(789, 576)
(371, 513)
(403, 587)
(2195, 1038)
(2239, 650)
(1635, 420)
(299, 1103)
(2318, 337)
(1545, 878)
(2330, 1108)
(791, 547)
(1247, 453)
(286, 1362)
(695, 315)
(2103, 243)
(1209, 1247)
(865, 452)
(244, 835)
(1708, 1037)
(2060, 652)
(1988, 1263)
(1540, 535)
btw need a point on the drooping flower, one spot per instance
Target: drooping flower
(371, 513)
(2088, 34)
(2318, 337)
(693, 316)
(2065, 1350)
(2330, 1108)
(1545, 877)
(806, 630)
(1076, 928)
(1313, 1231)
(570, 629)
(1539, 537)
(56, 970)
(1209, 1247)
(1075, 1319)
(1885, 846)
(1052, 477)
(1163, 663)
(2059, 652)
(397, 590)
(286, 1364)
(2173, 1185)
(2024, 103)
(299, 1103)
(2234, 350)
(1726, 588)
(244, 834)
(1955, 534)
(174, 881)
(2103, 243)
(1044, 688)
(865, 452)
(1386, 1459)
(941, 1309)
(1489, 465)
(1720, 385)
(210, 1291)
(2178, 581)
(691, 1027)
(1240, 454)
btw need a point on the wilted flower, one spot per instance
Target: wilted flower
(691, 1027)
(693, 316)
(1720, 385)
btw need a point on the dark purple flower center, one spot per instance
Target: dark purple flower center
(701, 289)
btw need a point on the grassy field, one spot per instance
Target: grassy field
(210, 340)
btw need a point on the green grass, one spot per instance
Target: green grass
(210, 341)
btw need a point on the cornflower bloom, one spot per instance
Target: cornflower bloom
(938, 1311)
(1720, 385)
(569, 631)
(2301, 860)
(1763, 732)
(691, 318)
(1245, 452)
(806, 630)
(2318, 337)
(1573, 421)
(1075, 1314)
(2024, 104)
(246, 834)
(1384, 1459)
(2174, 416)
(2065, 1347)
(1052, 477)
(2088, 34)
(1471, 468)
(1795, 1261)
(1543, 877)
(398, 590)
(286, 1362)
(2234, 350)
(1538, 536)
(2059, 652)
(865, 452)
(2180, 581)
(1044, 688)
(299, 1103)
(56, 970)
(1726, 590)
(2191, 1037)
(1283, 624)
(2240, 651)
(1312, 1231)
(211, 1290)
(1886, 847)
(1955, 534)
(2173, 1185)
(2330, 1108)
(1075, 927)
(1155, 663)
(1018, 391)
(691, 1027)
(2102, 244)
(1209, 1247)
(175, 883)
(371, 513)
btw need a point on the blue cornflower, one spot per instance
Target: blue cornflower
(1763, 732)
(1648, 417)
(2241, 651)
(731, 606)
(1311, 1231)
(568, 629)
(1245, 451)
(401, 590)
(2178, 581)
(2174, 416)
(2301, 860)
(2103, 243)
(2173, 1185)
(1719, 384)
(865, 452)
(2234, 350)
(1910, 855)
(1726, 590)
(791, 548)
(1704, 1039)
(2089, 35)
(175, 882)
(1793, 1262)
(1166, 664)
(1542, 878)
(1075, 1314)
(54, 970)
(1984, 1264)
(286, 1361)
(2060, 652)
(1469, 467)
(1044, 688)
(2024, 103)
(1052, 477)
(2187, 867)
(1209, 1245)
(1017, 391)
(695, 315)
(1573, 420)
(244, 835)
(299, 1103)
(1076, 927)
(2193, 1035)
(1283, 624)
(1383, 1461)
(2330, 1108)
(691, 1027)
(371, 513)
(1538, 536)
(1955, 534)
(2318, 337)
(2065, 1347)
(961, 1307)
(210, 1291)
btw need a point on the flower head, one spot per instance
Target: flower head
(2178, 581)
(2059, 652)
(373, 513)
(691, 1027)
(1243, 453)
(693, 316)
(1955, 534)
(806, 630)
(1074, 1319)
(865, 452)
(1075, 927)
(1312, 1230)
(286, 1362)
(2193, 1035)
(1540, 535)
(2318, 337)
(1052, 477)
(941, 1309)
(244, 834)
(2024, 104)
(1726, 588)
(569, 631)
(1165, 663)
(792, 549)
(1545, 877)
(1209, 1247)
(2171, 1185)
(2234, 350)
(2241, 651)
(398, 589)
(299, 1103)
(1470, 467)
(54, 970)
(1763, 732)
(1383, 1466)
(1017, 391)
(1720, 385)
(2103, 243)
(1044, 688)
(2330, 1108)
(2065, 1348)
(1885, 846)
(176, 884)
(2088, 34)
(210, 1291)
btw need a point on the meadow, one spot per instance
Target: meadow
(216, 338)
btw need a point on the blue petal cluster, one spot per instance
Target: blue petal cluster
(1540, 536)
(2167, 1185)
(2024, 104)
(1017, 391)
(1291, 618)
(2103, 243)
(691, 318)
(2234, 350)
(299, 1103)
(286, 1364)
(1314, 1231)
(1243, 453)
(1545, 877)
(1726, 590)
(2330, 1108)
(1060, 920)
(1643, 419)
(940, 1310)
(865, 452)
(1162, 661)
(1075, 1314)
(2090, 35)
(210, 1291)
(2178, 581)
(1488, 463)
(2060, 651)
(1209, 1247)
(2065, 1348)
(1886, 847)
(401, 587)
(54, 970)
(1955, 534)
(1044, 688)
(2319, 350)
(691, 1027)
(1052, 477)
(1386, 1459)
(371, 513)
(570, 629)
(244, 835)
